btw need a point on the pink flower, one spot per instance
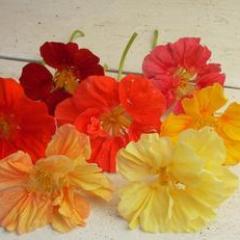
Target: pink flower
(179, 68)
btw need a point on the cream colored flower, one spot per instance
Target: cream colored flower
(174, 186)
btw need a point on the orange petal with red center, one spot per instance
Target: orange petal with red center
(68, 141)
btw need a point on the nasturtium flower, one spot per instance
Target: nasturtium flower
(112, 113)
(174, 185)
(71, 65)
(202, 109)
(179, 68)
(53, 190)
(24, 124)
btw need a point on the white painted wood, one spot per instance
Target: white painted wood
(108, 24)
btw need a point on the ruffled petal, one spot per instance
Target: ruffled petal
(36, 127)
(90, 178)
(36, 81)
(205, 101)
(58, 55)
(174, 124)
(141, 99)
(22, 211)
(10, 93)
(186, 165)
(14, 170)
(233, 151)
(104, 151)
(68, 141)
(230, 122)
(97, 92)
(66, 112)
(87, 64)
(206, 144)
(146, 206)
(140, 159)
(70, 211)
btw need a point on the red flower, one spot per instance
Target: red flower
(24, 124)
(181, 67)
(113, 113)
(71, 65)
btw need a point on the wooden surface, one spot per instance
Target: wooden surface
(108, 24)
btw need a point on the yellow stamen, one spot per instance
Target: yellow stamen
(48, 177)
(66, 79)
(116, 122)
(186, 79)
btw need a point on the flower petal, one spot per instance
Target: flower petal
(70, 142)
(230, 121)
(145, 206)
(10, 93)
(205, 101)
(141, 99)
(174, 124)
(58, 55)
(90, 178)
(22, 211)
(143, 158)
(35, 129)
(36, 81)
(66, 112)
(206, 144)
(14, 170)
(70, 211)
(99, 92)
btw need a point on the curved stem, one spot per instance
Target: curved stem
(124, 54)
(155, 39)
(76, 34)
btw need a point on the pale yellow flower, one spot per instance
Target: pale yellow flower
(174, 186)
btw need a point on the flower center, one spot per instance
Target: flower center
(165, 178)
(203, 121)
(4, 128)
(66, 79)
(7, 126)
(50, 175)
(186, 81)
(116, 122)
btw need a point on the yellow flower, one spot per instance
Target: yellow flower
(201, 110)
(174, 186)
(51, 191)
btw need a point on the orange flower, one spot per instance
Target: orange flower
(113, 113)
(201, 110)
(50, 192)
(24, 124)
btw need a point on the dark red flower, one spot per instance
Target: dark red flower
(71, 65)
(24, 124)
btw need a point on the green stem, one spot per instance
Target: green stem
(155, 39)
(76, 34)
(124, 54)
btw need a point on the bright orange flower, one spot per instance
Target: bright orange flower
(201, 110)
(113, 113)
(51, 191)
(24, 124)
